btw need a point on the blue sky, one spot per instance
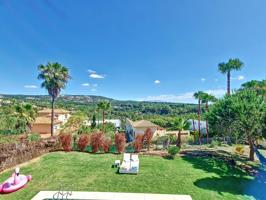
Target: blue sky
(138, 50)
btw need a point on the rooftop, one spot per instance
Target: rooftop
(142, 123)
(45, 120)
(57, 111)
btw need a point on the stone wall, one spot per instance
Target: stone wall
(16, 153)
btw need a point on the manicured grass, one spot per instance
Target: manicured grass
(202, 178)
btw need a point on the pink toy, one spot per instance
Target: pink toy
(14, 183)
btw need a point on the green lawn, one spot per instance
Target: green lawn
(202, 178)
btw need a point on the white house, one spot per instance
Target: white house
(115, 122)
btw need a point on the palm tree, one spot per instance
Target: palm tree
(206, 98)
(198, 95)
(226, 68)
(180, 124)
(104, 106)
(55, 77)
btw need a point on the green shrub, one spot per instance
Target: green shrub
(214, 143)
(130, 149)
(188, 139)
(173, 139)
(173, 150)
(34, 137)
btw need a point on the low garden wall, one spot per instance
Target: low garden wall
(16, 153)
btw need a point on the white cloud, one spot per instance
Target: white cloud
(93, 74)
(93, 89)
(96, 76)
(182, 98)
(91, 71)
(157, 81)
(85, 84)
(203, 79)
(218, 93)
(30, 86)
(239, 78)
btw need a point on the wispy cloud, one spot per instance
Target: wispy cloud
(97, 76)
(31, 86)
(85, 84)
(91, 71)
(238, 78)
(203, 79)
(93, 89)
(93, 74)
(157, 82)
(182, 98)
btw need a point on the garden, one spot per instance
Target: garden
(202, 178)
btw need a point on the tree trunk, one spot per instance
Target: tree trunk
(207, 125)
(228, 82)
(52, 118)
(178, 144)
(251, 150)
(194, 130)
(199, 111)
(103, 121)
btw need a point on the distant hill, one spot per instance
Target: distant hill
(82, 99)
(73, 98)
(121, 109)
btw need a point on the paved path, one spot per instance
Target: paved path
(111, 196)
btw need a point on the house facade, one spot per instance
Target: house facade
(133, 129)
(60, 114)
(42, 123)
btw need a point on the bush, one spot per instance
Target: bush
(147, 137)
(173, 150)
(240, 149)
(214, 143)
(34, 137)
(66, 140)
(106, 144)
(83, 142)
(120, 142)
(173, 139)
(138, 143)
(97, 141)
(189, 140)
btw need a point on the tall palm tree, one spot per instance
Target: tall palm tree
(199, 95)
(104, 106)
(55, 77)
(226, 68)
(206, 98)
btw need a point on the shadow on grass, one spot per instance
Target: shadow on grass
(215, 165)
(231, 178)
(235, 185)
